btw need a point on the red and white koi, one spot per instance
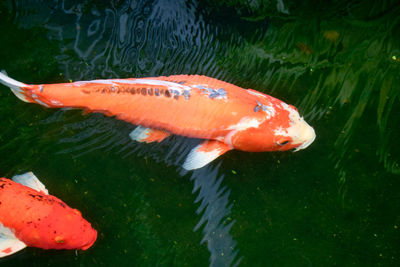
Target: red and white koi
(224, 115)
(29, 216)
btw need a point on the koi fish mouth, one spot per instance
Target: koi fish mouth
(301, 133)
(91, 242)
(307, 136)
(310, 137)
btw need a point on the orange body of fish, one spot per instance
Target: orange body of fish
(29, 217)
(224, 115)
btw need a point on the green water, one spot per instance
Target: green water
(335, 203)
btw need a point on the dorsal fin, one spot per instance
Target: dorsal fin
(30, 180)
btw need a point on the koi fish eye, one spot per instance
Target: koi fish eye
(283, 143)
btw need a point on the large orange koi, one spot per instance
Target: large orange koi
(29, 216)
(224, 115)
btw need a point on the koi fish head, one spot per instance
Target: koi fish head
(63, 228)
(280, 129)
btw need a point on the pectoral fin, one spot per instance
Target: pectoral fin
(204, 153)
(9, 244)
(148, 135)
(30, 180)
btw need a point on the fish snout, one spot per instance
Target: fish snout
(91, 241)
(305, 135)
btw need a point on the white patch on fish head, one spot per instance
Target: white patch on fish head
(301, 133)
(268, 108)
(244, 124)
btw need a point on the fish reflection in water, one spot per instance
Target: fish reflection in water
(79, 136)
(215, 208)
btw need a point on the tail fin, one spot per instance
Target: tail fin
(16, 87)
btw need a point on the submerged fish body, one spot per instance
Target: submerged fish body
(226, 116)
(29, 216)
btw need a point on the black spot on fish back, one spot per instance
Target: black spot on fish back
(157, 92)
(3, 183)
(167, 93)
(150, 91)
(144, 91)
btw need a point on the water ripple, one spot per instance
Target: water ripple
(143, 38)
(215, 222)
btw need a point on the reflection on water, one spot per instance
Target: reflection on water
(215, 222)
(94, 133)
(331, 71)
(122, 39)
(81, 135)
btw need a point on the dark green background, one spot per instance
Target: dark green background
(335, 203)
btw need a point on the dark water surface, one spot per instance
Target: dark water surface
(334, 203)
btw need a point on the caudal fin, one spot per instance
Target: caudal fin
(16, 87)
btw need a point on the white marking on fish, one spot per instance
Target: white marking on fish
(170, 85)
(268, 109)
(299, 130)
(139, 133)
(244, 124)
(197, 159)
(255, 93)
(36, 99)
(41, 103)
(56, 103)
